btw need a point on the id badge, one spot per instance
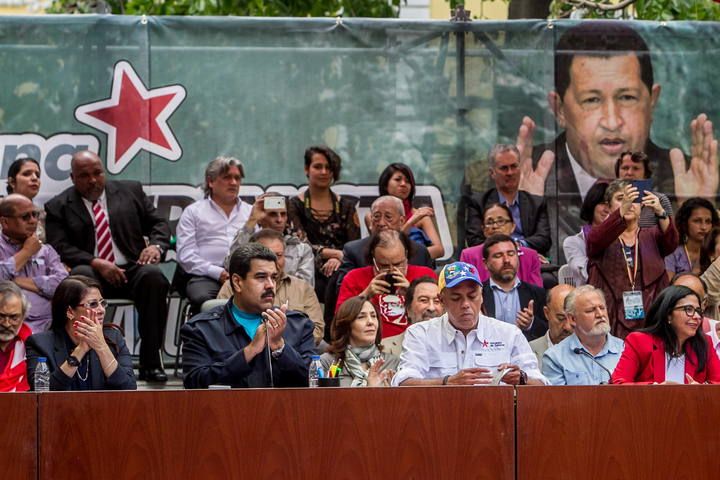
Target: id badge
(633, 305)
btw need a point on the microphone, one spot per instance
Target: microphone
(580, 351)
(265, 319)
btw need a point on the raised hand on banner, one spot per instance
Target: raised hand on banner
(532, 180)
(700, 179)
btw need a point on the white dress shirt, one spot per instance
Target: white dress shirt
(434, 349)
(204, 236)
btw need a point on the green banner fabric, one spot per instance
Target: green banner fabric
(159, 97)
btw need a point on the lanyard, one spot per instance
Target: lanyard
(633, 275)
(687, 254)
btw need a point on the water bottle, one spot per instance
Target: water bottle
(42, 376)
(315, 371)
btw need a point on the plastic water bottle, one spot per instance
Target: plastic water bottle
(315, 371)
(42, 376)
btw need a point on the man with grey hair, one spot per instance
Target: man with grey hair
(529, 212)
(206, 230)
(588, 356)
(13, 333)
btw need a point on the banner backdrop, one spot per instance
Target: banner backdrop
(160, 97)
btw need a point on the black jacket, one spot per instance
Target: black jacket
(533, 216)
(71, 230)
(213, 345)
(52, 346)
(527, 292)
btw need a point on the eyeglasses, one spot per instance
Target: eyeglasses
(10, 318)
(690, 311)
(500, 222)
(380, 267)
(93, 304)
(25, 217)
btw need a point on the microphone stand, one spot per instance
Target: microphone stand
(580, 351)
(267, 349)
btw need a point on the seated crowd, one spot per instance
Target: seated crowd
(275, 283)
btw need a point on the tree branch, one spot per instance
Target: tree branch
(598, 6)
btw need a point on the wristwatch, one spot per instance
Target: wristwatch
(662, 216)
(73, 361)
(523, 378)
(160, 249)
(278, 352)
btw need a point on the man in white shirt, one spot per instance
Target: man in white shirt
(206, 230)
(464, 347)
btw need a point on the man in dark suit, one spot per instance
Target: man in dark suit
(532, 226)
(506, 298)
(98, 228)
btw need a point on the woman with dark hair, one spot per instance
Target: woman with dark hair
(694, 221)
(355, 346)
(24, 178)
(497, 218)
(594, 211)
(398, 180)
(82, 353)
(625, 260)
(673, 348)
(327, 220)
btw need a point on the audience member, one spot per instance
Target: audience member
(711, 276)
(386, 280)
(13, 334)
(696, 283)
(248, 342)
(327, 220)
(506, 297)
(497, 219)
(464, 347)
(559, 326)
(398, 180)
(99, 228)
(299, 258)
(356, 348)
(206, 230)
(695, 219)
(636, 166)
(673, 348)
(529, 212)
(626, 261)
(23, 177)
(24, 260)
(589, 355)
(594, 211)
(293, 291)
(82, 353)
(422, 302)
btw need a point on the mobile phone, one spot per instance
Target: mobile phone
(642, 186)
(389, 278)
(274, 203)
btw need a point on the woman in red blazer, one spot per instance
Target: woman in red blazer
(674, 338)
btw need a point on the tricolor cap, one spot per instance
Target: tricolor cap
(454, 273)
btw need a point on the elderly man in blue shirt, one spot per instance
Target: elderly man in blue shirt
(588, 356)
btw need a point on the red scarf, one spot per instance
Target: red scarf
(14, 377)
(407, 206)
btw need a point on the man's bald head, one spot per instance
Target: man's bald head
(558, 325)
(87, 174)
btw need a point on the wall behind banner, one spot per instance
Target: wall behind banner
(435, 95)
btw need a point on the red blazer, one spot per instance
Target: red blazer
(643, 361)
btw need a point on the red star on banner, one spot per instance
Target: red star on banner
(134, 118)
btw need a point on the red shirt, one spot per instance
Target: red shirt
(391, 307)
(13, 372)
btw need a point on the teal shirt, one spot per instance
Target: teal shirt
(250, 322)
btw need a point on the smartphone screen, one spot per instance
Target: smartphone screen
(274, 203)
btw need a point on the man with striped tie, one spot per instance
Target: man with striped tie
(99, 229)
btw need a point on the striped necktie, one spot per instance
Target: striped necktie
(103, 240)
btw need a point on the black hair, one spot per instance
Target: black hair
(410, 292)
(594, 197)
(68, 294)
(384, 238)
(387, 174)
(494, 240)
(242, 257)
(600, 39)
(15, 169)
(682, 220)
(636, 157)
(658, 323)
(333, 159)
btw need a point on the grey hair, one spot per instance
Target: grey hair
(569, 305)
(499, 148)
(218, 167)
(390, 199)
(614, 187)
(10, 289)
